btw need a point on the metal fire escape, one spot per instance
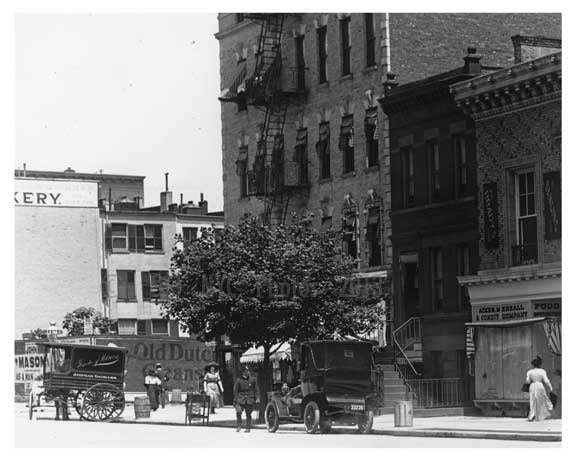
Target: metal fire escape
(267, 179)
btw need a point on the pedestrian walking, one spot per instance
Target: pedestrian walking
(246, 395)
(213, 387)
(163, 387)
(537, 379)
(151, 382)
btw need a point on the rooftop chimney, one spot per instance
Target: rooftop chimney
(472, 62)
(203, 204)
(165, 198)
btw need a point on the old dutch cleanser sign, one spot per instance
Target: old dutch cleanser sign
(53, 193)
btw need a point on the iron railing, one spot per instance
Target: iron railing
(438, 393)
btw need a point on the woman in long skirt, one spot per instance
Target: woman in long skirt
(213, 387)
(540, 405)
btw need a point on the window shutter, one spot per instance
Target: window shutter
(552, 205)
(140, 239)
(108, 237)
(131, 286)
(146, 286)
(490, 201)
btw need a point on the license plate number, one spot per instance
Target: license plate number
(356, 407)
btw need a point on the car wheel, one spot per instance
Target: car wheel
(312, 417)
(365, 422)
(271, 417)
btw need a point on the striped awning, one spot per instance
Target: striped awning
(256, 354)
(470, 346)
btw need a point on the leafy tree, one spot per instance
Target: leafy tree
(261, 286)
(73, 322)
(39, 334)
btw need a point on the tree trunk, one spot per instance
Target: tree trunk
(264, 382)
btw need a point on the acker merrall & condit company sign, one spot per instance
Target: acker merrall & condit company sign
(51, 193)
(516, 310)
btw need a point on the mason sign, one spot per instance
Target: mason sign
(55, 193)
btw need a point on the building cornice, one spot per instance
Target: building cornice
(516, 274)
(513, 88)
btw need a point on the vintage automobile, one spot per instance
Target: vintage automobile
(88, 378)
(335, 388)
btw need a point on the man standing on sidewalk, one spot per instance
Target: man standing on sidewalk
(163, 387)
(246, 394)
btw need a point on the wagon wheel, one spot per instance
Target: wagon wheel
(312, 417)
(271, 417)
(101, 402)
(30, 405)
(365, 422)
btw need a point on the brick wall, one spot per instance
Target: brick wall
(529, 137)
(424, 44)
(57, 264)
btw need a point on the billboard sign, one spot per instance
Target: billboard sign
(54, 193)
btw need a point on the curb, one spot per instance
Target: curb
(504, 435)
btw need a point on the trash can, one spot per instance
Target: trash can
(141, 407)
(176, 396)
(403, 413)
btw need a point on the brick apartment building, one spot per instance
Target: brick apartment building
(516, 294)
(302, 130)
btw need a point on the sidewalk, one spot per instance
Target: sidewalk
(477, 427)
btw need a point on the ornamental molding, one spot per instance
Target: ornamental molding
(516, 87)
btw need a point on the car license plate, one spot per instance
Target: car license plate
(357, 407)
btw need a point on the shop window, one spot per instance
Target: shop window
(152, 285)
(141, 327)
(126, 286)
(160, 327)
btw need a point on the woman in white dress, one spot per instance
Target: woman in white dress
(537, 379)
(213, 387)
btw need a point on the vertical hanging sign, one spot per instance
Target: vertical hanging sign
(490, 199)
(552, 205)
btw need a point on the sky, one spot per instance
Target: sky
(119, 93)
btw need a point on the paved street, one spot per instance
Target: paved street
(41, 433)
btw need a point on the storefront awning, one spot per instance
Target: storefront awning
(256, 355)
(506, 323)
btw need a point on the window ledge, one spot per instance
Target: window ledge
(371, 169)
(244, 199)
(126, 301)
(349, 174)
(369, 70)
(323, 85)
(325, 180)
(346, 77)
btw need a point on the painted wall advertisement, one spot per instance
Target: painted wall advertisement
(52, 193)
(183, 359)
(27, 367)
(516, 310)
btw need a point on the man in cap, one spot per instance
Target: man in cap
(246, 395)
(163, 387)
